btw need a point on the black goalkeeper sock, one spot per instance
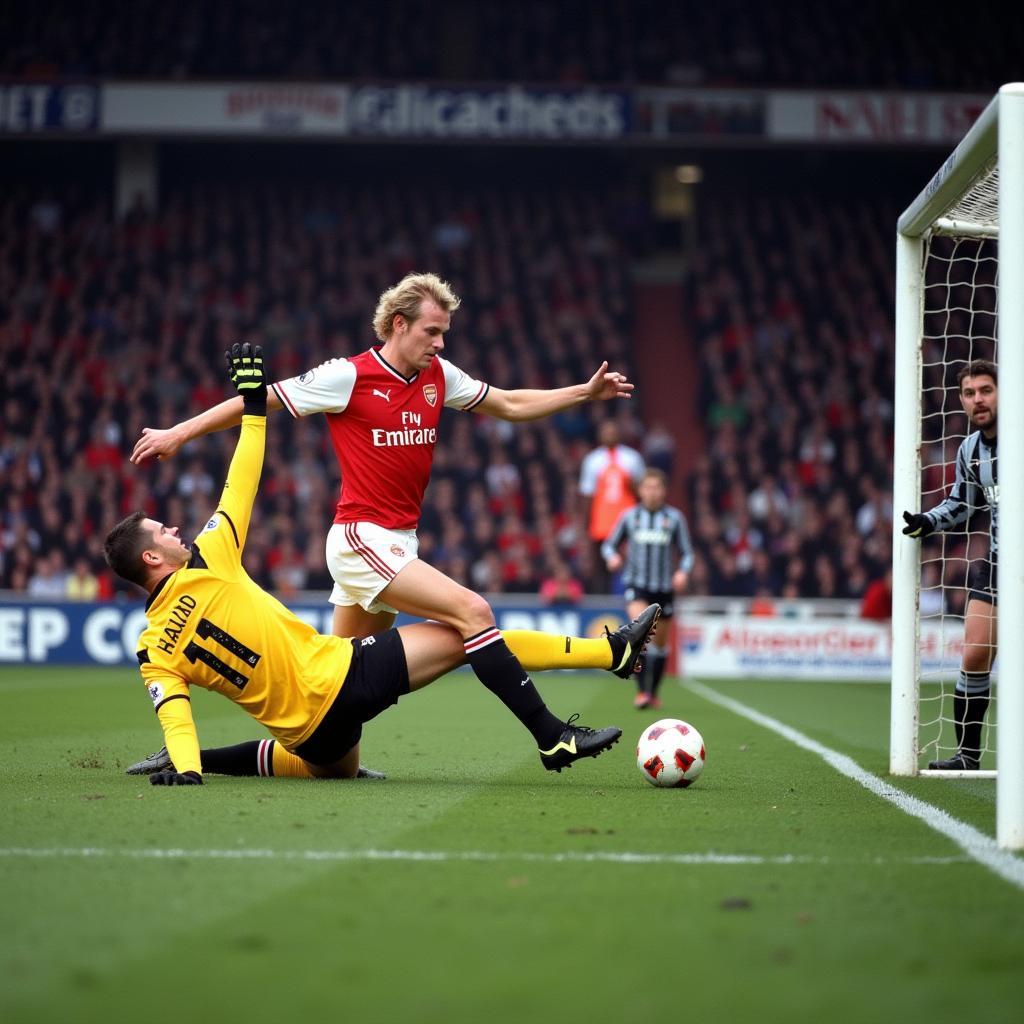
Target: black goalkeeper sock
(969, 710)
(657, 658)
(241, 759)
(500, 671)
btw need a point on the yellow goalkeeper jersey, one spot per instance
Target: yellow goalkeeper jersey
(210, 625)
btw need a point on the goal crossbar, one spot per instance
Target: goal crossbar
(955, 177)
(994, 143)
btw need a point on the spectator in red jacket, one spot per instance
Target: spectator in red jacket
(877, 601)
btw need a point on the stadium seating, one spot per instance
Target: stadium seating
(112, 326)
(847, 43)
(793, 496)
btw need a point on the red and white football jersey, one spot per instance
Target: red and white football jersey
(383, 427)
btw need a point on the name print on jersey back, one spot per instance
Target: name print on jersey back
(177, 620)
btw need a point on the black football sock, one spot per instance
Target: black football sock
(500, 671)
(970, 703)
(241, 759)
(657, 658)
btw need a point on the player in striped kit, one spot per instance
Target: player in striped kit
(976, 487)
(383, 408)
(658, 561)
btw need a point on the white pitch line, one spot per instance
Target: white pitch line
(975, 844)
(422, 856)
(442, 856)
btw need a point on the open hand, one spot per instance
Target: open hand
(606, 384)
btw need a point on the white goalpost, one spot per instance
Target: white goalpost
(962, 235)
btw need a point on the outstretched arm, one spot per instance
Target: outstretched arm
(245, 365)
(531, 404)
(162, 444)
(965, 497)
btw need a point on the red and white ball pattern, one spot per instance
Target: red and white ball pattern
(670, 753)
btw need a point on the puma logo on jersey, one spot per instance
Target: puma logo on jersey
(386, 395)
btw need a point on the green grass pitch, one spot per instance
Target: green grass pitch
(472, 886)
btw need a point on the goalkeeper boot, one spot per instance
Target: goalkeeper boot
(369, 773)
(156, 762)
(959, 762)
(578, 741)
(628, 642)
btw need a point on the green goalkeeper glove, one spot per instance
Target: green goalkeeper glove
(917, 525)
(245, 366)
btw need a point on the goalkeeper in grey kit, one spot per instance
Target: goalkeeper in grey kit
(976, 487)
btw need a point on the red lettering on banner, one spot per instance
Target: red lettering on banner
(312, 101)
(875, 117)
(835, 640)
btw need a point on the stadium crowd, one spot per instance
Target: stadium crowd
(795, 341)
(847, 43)
(106, 327)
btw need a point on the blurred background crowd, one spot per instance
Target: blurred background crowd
(94, 307)
(111, 324)
(789, 496)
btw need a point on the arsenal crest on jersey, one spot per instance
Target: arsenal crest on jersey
(430, 394)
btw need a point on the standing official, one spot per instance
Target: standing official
(609, 476)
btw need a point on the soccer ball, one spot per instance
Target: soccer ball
(670, 753)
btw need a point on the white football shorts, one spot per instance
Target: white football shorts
(363, 559)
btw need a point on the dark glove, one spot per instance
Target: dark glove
(245, 365)
(176, 779)
(917, 525)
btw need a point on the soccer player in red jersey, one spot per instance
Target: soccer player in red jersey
(383, 408)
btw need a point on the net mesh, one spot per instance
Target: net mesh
(959, 325)
(980, 203)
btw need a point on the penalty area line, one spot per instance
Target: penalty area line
(444, 856)
(979, 847)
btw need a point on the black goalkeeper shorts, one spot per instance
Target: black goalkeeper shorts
(377, 677)
(982, 581)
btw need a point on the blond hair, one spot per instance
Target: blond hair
(406, 298)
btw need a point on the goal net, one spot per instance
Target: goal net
(958, 326)
(961, 235)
